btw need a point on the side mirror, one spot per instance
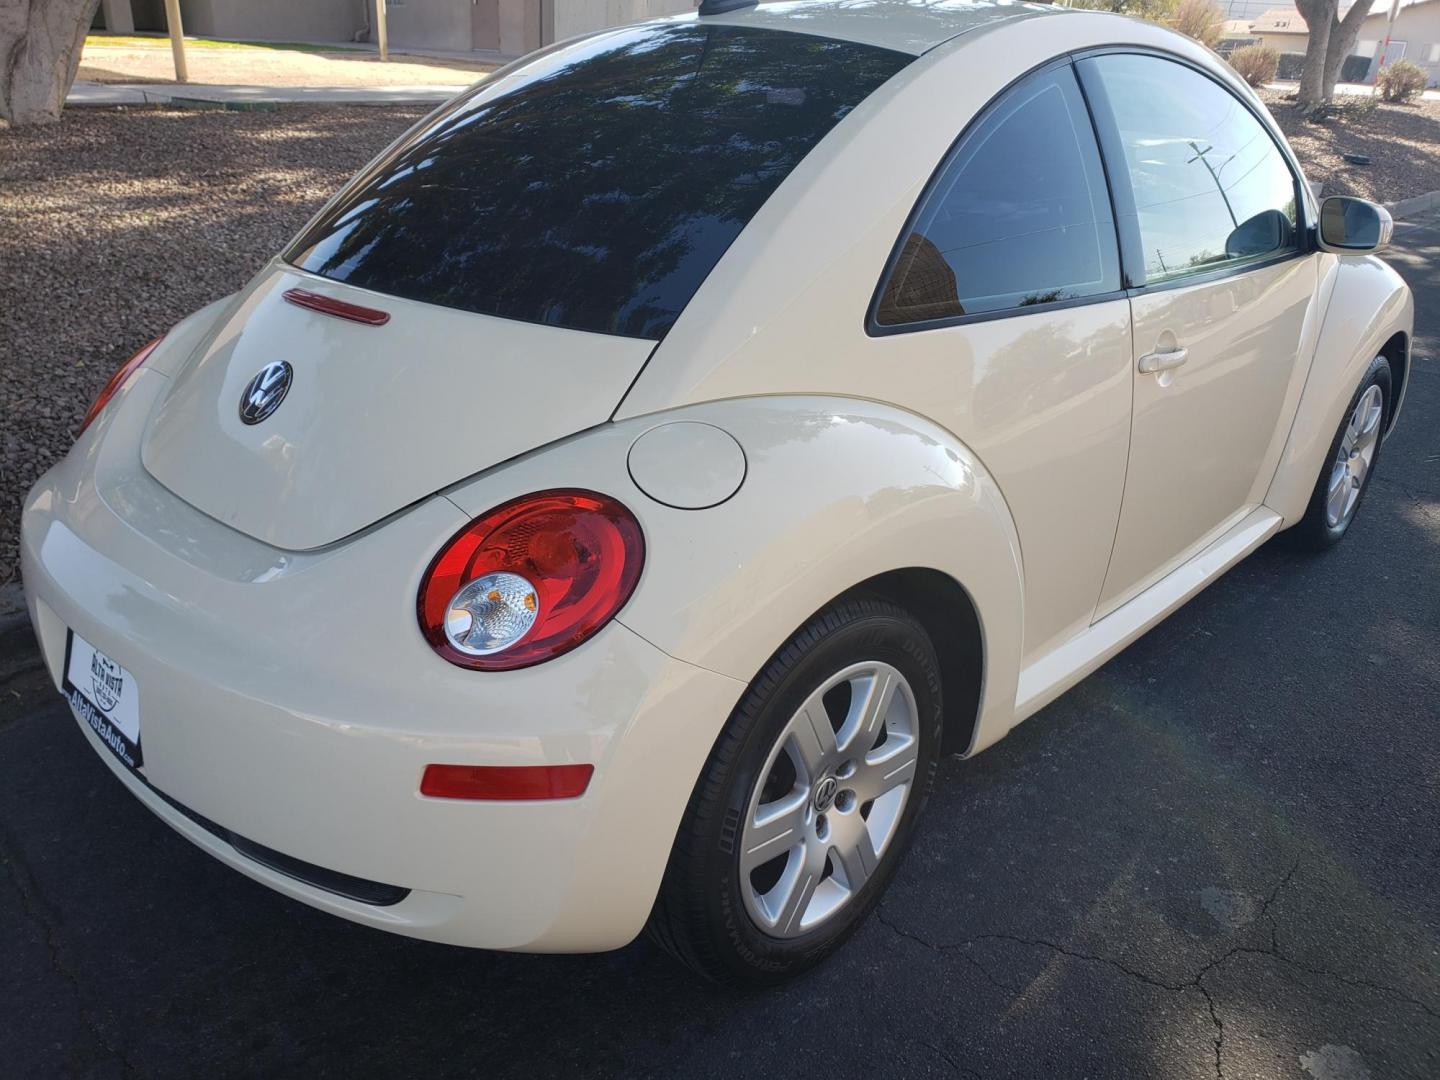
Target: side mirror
(1267, 231)
(1354, 226)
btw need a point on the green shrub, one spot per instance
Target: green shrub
(1401, 81)
(1256, 64)
(1345, 107)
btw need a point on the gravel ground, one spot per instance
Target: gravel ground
(1402, 142)
(118, 224)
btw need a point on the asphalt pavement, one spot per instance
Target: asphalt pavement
(1217, 857)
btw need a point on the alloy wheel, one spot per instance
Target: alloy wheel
(829, 800)
(1354, 458)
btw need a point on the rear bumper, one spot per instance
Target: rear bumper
(289, 702)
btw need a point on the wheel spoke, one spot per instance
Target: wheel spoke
(777, 827)
(1338, 494)
(1372, 407)
(814, 737)
(858, 858)
(875, 778)
(1359, 468)
(798, 885)
(873, 709)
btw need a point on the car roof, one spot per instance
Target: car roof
(911, 26)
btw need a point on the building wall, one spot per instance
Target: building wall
(513, 27)
(150, 14)
(114, 16)
(429, 24)
(1418, 25)
(1282, 43)
(582, 16)
(520, 31)
(274, 20)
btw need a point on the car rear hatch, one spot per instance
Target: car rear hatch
(530, 243)
(376, 417)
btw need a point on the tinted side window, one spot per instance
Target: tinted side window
(1018, 216)
(1211, 187)
(599, 188)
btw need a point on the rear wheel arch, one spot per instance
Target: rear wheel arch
(951, 619)
(839, 495)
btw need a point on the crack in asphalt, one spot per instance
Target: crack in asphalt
(1409, 493)
(1196, 983)
(955, 1066)
(32, 903)
(1349, 980)
(1399, 785)
(1219, 1030)
(984, 971)
(1265, 906)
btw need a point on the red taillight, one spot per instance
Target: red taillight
(539, 575)
(514, 782)
(116, 381)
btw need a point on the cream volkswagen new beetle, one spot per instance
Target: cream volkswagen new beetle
(615, 501)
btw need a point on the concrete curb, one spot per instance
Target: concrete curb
(1400, 208)
(1419, 204)
(265, 98)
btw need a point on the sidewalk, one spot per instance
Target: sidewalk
(140, 61)
(1358, 89)
(140, 70)
(84, 94)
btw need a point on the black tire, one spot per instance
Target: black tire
(700, 916)
(1313, 532)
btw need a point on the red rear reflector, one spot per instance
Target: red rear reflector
(506, 781)
(328, 305)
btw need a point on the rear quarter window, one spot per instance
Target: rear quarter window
(599, 193)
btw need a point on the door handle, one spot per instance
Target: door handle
(1164, 360)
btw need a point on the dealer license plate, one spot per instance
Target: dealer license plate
(105, 696)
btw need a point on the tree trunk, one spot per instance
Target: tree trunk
(1318, 15)
(40, 44)
(1343, 35)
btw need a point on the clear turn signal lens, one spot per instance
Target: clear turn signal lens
(491, 613)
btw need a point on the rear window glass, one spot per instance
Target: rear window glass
(600, 192)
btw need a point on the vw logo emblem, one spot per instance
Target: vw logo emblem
(266, 391)
(825, 793)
